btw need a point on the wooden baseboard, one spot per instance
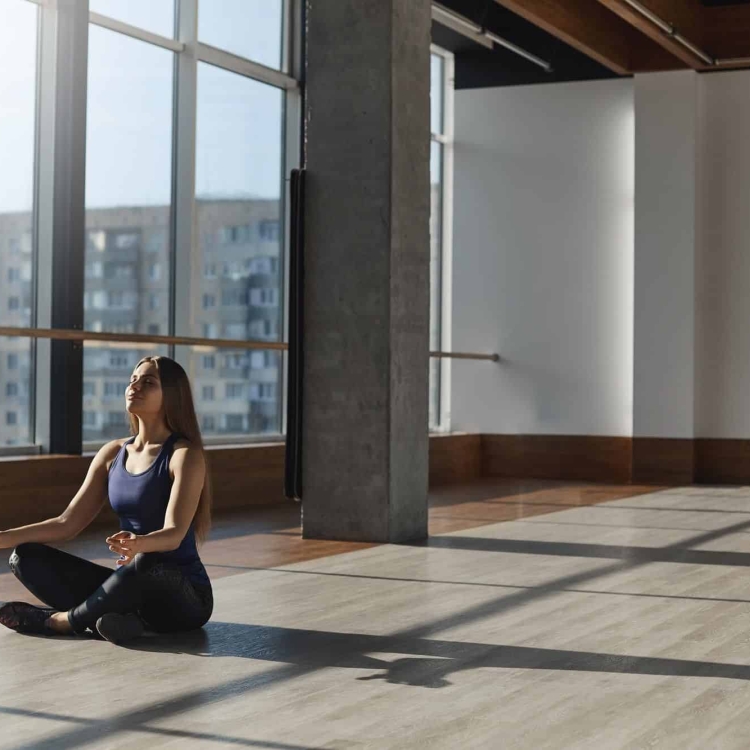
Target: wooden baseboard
(455, 458)
(565, 457)
(720, 461)
(663, 461)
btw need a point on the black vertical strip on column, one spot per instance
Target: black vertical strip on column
(293, 458)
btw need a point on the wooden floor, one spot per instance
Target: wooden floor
(538, 616)
(269, 536)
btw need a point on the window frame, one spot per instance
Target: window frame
(446, 140)
(65, 27)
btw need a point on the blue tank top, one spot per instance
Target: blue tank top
(140, 501)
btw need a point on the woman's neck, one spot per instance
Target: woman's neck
(151, 431)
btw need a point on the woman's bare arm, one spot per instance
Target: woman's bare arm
(81, 511)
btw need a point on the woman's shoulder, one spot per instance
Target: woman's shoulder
(108, 452)
(185, 454)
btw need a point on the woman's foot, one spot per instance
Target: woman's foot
(26, 618)
(118, 628)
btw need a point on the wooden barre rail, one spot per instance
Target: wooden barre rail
(66, 334)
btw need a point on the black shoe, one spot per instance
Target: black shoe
(26, 618)
(118, 628)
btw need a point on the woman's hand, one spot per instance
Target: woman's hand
(125, 544)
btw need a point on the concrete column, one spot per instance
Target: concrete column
(366, 331)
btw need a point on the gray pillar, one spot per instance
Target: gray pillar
(366, 331)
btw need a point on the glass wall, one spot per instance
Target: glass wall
(128, 213)
(239, 224)
(18, 71)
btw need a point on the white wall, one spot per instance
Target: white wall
(665, 219)
(722, 367)
(543, 259)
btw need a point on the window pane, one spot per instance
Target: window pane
(18, 40)
(436, 94)
(239, 214)
(156, 16)
(128, 207)
(236, 391)
(249, 28)
(436, 211)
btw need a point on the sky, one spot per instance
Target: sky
(129, 114)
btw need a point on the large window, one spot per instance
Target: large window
(441, 125)
(128, 208)
(239, 212)
(18, 70)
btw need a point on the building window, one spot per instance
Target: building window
(12, 361)
(89, 388)
(209, 301)
(210, 331)
(234, 330)
(264, 297)
(114, 389)
(207, 392)
(235, 361)
(261, 360)
(127, 240)
(94, 269)
(267, 391)
(234, 422)
(269, 231)
(209, 361)
(11, 418)
(234, 390)
(14, 303)
(118, 361)
(234, 297)
(154, 301)
(209, 271)
(89, 419)
(234, 235)
(14, 274)
(208, 423)
(154, 271)
(153, 329)
(11, 388)
(116, 419)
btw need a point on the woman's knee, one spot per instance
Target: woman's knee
(23, 554)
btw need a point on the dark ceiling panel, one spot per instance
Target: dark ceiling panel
(478, 67)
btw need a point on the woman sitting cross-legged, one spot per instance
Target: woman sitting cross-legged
(157, 484)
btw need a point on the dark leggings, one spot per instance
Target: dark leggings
(155, 589)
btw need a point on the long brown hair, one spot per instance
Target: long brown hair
(179, 414)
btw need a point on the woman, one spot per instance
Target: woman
(157, 484)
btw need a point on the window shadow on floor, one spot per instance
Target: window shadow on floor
(425, 663)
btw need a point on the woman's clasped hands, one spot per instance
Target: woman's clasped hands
(125, 544)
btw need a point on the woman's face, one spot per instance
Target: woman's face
(143, 396)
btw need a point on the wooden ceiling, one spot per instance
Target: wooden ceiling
(625, 40)
(585, 39)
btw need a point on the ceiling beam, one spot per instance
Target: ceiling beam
(591, 28)
(686, 16)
